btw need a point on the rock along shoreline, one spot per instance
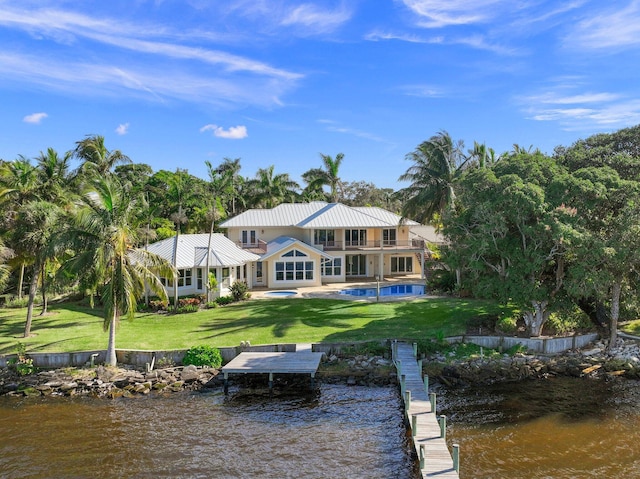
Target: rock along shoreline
(594, 362)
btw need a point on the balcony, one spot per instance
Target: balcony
(371, 245)
(257, 247)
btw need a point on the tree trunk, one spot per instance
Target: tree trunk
(206, 274)
(175, 273)
(535, 319)
(20, 280)
(111, 348)
(32, 298)
(615, 314)
(44, 292)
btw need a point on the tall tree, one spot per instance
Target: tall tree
(329, 176)
(5, 255)
(511, 237)
(102, 238)
(53, 173)
(268, 190)
(96, 157)
(35, 229)
(438, 164)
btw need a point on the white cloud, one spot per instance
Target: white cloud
(35, 118)
(233, 133)
(315, 19)
(199, 73)
(122, 129)
(580, 111)
(441, 13)
(617, 27)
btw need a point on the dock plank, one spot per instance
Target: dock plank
(276, 363)
(438, 461)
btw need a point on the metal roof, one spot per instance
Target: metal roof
(317, 215)
(192, 251)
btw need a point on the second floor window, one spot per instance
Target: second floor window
(355, 237)
(389, 237)
(324, 237)
(249, 237)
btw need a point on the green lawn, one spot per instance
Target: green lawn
(70, 327)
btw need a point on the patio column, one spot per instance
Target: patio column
(422, 273)
(381, 267)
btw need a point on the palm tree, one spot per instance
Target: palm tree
(268, 190)
(332, 166)
(18, 185)
(5, 254)
(438, 164)
(96, 157)
(316, 178)
(53, 174)
(103, 236)
(35, 227)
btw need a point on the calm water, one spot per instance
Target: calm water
(558, 428)
(392, 290)
(338, 432)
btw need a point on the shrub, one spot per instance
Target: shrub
(212, 305)
(203, 356)
(441, 280)
(23, 365)
(158, 305)
(222, 300)
(188, 302)
(17, 302)
(239, 290)
(568, 322)
(188, 308)
(507, 324)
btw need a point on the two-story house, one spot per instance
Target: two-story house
(307, 244)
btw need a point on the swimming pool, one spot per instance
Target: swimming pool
(280, 294)
(390, 290)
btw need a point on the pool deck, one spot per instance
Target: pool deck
(332, 290)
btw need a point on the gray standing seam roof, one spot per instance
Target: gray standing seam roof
(192, 251)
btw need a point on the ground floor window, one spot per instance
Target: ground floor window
(184, 277)
(199, 282)
(401, 264)
(356, 265)
(332, 267)
(259, 271)
(294, 270)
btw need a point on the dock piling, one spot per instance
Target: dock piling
(456, 457)
(443, 426)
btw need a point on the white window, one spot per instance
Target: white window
(249, 238)
(184, 277)
(401, 264)
(294, 270)
(324, 237)
(332, 267)
(389, 237)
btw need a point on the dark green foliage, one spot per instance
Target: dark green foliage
(441, 280)
(203, 356)
(239, 290)
(224, 300)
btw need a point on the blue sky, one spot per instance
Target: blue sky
(277, 82)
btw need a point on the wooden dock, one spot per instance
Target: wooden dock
(428, 438)
(300, 362)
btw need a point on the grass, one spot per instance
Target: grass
(71, 327)
(631, 327)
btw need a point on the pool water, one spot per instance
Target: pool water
(391, 290)
(280, 294)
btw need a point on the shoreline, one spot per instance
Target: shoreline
(360, 369)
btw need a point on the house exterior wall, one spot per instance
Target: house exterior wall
(279, 275)
(226, 277)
